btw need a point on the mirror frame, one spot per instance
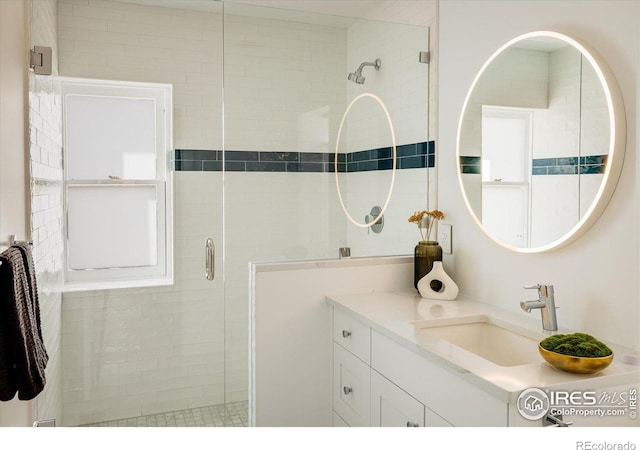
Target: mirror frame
(617, 142)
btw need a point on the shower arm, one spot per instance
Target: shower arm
(375, 64)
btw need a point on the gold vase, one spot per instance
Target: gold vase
(425, 253)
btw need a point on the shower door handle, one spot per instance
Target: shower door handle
(209, 259)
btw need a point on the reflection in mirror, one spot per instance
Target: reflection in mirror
(535, 141)
(367, 120)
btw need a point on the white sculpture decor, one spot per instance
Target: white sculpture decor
(447, 289)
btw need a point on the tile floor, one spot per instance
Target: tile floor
(230, 415)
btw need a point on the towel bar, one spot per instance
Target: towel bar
(12, 240)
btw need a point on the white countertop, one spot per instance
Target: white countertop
(391, 314)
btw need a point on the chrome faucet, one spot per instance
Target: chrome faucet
(545, 304)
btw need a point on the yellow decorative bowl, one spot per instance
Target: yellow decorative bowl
(575, 364)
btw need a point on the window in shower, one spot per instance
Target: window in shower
(117, 141)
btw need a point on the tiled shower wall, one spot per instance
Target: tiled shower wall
(141, 351)
(132, 352)
(574, 99)
(45, 142)
(135, 42)
(402, 84)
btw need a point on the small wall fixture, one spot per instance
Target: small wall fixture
(40, 60)
(376, 219)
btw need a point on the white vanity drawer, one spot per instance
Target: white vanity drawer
(393, 407)
(352, 334)
(444, 391)
(351, 388)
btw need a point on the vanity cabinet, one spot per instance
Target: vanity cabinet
(389, 371)
(377, 382)
(451, 398)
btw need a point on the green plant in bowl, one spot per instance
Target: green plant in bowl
(576, 353)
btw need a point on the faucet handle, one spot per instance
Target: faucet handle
(544, 290)
(535, 286)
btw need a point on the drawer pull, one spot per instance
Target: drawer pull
(347, 390)
(412, 424)
(346, 334)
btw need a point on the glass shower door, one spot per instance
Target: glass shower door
(282, 94)
(138, 356)
(286, 88)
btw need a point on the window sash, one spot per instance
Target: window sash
(127, 274)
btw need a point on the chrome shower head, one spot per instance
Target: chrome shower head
(357, 77)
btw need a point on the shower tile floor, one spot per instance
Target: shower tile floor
(230, 415)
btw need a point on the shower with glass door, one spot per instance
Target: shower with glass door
(257, 95)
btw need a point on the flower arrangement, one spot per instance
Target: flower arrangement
(432, 218)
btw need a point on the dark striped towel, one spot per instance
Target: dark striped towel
(23, 357)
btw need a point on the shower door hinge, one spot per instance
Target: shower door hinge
(424, 57)
(40, 60)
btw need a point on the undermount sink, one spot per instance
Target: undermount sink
(492, 342)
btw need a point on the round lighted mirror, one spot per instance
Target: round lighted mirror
(541, 141)
(365, 134)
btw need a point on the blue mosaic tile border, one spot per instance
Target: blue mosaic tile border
(470, 164)
(572, 165)
(409, 156)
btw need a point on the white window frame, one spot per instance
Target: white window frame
(525, 115)
(123, 277)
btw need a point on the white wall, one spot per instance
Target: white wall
(596, 276)
(291, 332)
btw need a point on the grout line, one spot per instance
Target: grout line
(231, 414)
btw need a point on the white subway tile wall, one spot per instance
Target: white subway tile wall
(408, 197)
(122, 41)
(423, 13)
(45, 148)
(511, 66)
(285, 84)
(139, 352)
(401, 82)
(133, 352)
